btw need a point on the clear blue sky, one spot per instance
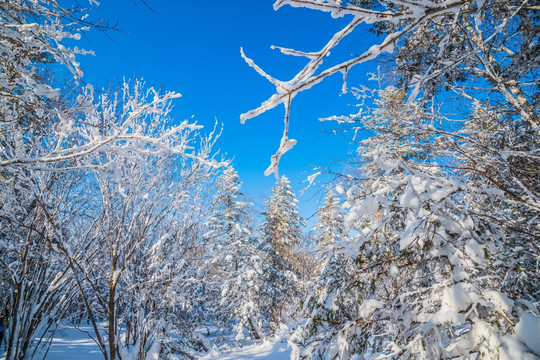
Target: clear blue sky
(193, 47)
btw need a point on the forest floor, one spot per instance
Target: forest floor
(75, 344)
(70, 344)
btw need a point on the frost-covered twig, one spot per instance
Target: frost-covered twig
(412, 14)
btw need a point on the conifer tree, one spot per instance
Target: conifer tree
(232, 255)
(329, 227)
(229, 224)
(281, 233)
(282, 225)
(416, 279)
(243, 295)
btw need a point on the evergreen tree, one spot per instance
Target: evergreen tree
(274, 284)
(233, 257)
(229, 224)
(329, 227)
(417, 279)
(260, 293)
(243, 294)
(282, 226)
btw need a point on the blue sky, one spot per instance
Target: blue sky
(193, 48)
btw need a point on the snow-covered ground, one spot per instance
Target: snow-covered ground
(267, 350)
(74, 344)
(70, 344)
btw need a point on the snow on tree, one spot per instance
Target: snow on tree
(127, 216)
(148, 197)
(228, 223)
(447, 191)
(37, 282)
(56, 143)
(418, 280)
(415, 281)
(329, 228)
(280, 234)
(43, 126)
(230, 243)
(33, 201)
(282, 227)
(435, 42)
(244, 295)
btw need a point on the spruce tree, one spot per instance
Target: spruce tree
(416, 280)
(229, 243)
(281, 234)
(228, 224)
(282, 226)
(329, 227)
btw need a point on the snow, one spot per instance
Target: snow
(266, 350)
(528, 331)
(475, 251)
(393, 271)
(409, 235)
(368, 307)
(514, 350)
(71, 343)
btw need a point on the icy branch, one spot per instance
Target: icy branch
(138, 123)
(337, 9)
(285, 145)
(414, 12)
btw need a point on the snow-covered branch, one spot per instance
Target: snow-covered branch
(411, 15)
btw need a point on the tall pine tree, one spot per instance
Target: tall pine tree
(230, 246)
(281, 235)
(228, 224)
(282, 225)
(329, 228)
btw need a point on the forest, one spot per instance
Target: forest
(426, 245)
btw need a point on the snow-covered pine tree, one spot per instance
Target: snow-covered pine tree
(260, 292)
(329, 227)
(245, 295)
(328, 235)
(229, 226)
(282, 227)
(281, 232)
(230, 246)
(414, 282)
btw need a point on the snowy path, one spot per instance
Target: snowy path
(74, 344)
(262, 351)
(71, 344)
